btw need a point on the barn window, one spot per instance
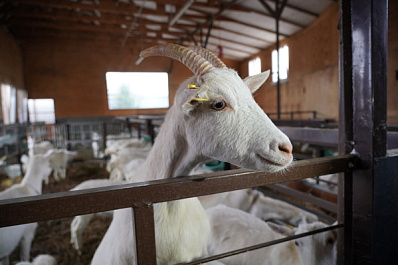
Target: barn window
(255, 66)
(41, 110)
(22, 106)
(137, 90)
(283, 64)
(8, 104)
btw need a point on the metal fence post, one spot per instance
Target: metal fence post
(144, 226)
(363, 65)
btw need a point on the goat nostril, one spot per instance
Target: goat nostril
(285, 148)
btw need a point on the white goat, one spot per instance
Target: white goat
(220, 120)
(59, 161)
(254, 202)
(38, 148)
(38, 168)
(329, 181)
(233, 229)
(43, 259)
(95, 145)
(80, 222)
(127, 160)
(113, 146)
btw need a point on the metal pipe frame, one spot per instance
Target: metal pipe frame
(363, 202)
(141, 197)
(72, 203)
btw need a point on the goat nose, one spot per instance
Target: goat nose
(285, 148)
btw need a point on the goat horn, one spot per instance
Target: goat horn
(209, 56)
(196, 63)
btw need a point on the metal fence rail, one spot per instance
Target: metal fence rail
(262, 245)
(141, 196)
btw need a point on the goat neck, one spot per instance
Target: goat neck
(170, 156)
(37, 170)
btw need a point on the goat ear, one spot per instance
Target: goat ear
(283, 230)
(254, 82)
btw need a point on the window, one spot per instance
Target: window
(136, 90)
(283, 64)
(41, 110)
(22, 106)
(8, 103)
(255, 66)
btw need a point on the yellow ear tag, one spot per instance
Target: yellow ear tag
(191, 86)
(199, 99)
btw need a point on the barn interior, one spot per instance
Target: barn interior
(57, 58)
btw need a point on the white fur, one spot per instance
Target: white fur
(80, 222)
(43, 259)
(192, 133)
(95, 144)
(233, 229)
(38, 148)
(255, 203)
(38, 168)
(59, 162)
(115, 144)
(126, 160)
(330, 182)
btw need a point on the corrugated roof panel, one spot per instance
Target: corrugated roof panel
(257, 33)
(233, 45)
(249, 42)
(314, 6)
(261, 21)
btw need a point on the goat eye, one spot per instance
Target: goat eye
(219, 104)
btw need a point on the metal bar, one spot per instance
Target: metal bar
(181, 12)
(104, 134)
(332, 207)
(278, 81)
(298, 205)
(344, 199)
(386, 209)
(212, 18)
(369, 77)
(263, 245)
(268, 7)
(72, 203)
(144, 227)
(208, 34)
(327, 137)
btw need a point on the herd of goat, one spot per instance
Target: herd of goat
(214, 116)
